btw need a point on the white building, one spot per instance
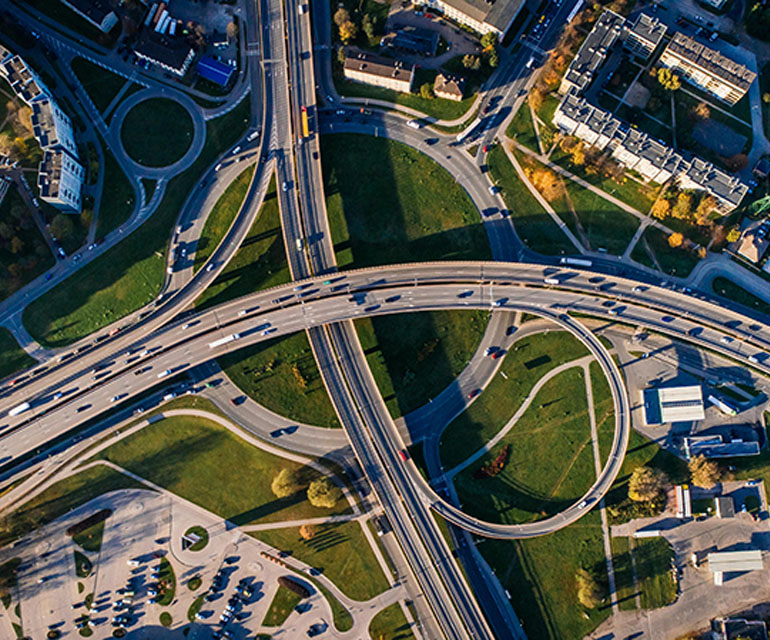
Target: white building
(482, 16)
(673, 404)
(378, 71)
(722, 562)
(60, 180)
(52, 127)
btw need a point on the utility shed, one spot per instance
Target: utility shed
(673, 404)
(723, 562)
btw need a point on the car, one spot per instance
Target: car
(493, 190)
(726, 340)
(497, 354)
(285, 186)
(329, 99)
(132, 562)
(58, 395)
(474, 393)
(114, 398)
(82, 408)
(340, 112)
(752, 483)
(210, 268)
(489, 351)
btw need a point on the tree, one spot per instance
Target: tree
(307, 531)
(494, 60)
(426, 91)
(62, 226)
(17, 244)
(675, 240)
(489, 40)
(661, 208)
(471, 62)
(341, 55)
(535, 99)
(668, 79)
(683, 207)
(348, 31)
(645, 484)
(323, 493)
(700, 111)
(734, 234)
(703, 472)
(231, 30)
(766, 97)
(578, 155)
(285, 484)
(706, 205)
(590, 592)
(368, 26)
(546, 182)
(341, 16)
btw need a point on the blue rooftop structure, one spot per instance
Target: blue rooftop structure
(214, 70)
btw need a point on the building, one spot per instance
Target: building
(673, 404)
(753, 242)
(23, 80)
(214, 70)
(683, 501)
(734, 562)
(172, 54)
(449, 87)
(716, 4)
(52, 127)
(60, 180)
(644, 36)
(739, 628)
(483, 16)
(97, 12)
(411, 39)
(762, 168)
(377, 71)
(707, 69)
(593, 52)
(716, 447)
(724, 507)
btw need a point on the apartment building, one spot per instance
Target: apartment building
(483, 16)
(97, 12)
(707, 69)
(643, 36)
(377, 71)
(23, 80)
(52, 127)
(60, 180)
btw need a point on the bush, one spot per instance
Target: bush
(285, 484)
(323, 493)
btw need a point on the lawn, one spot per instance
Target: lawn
(533, 225)
(728, 289)
(166, 583)
(528, 360)
(90, 539)
(118, 198)
(60, 498)
(390, 624)
(624, 574)
(221, 217)
(157, 132)
(673, 261)
(100, 84)
(556, 425)
(603, 224)
(340, 551)
(24, 254)
(522, 130)
(281, 607)
(540, 576)
(414, 356)
(12, 357)
(188, 456)
(383, 209)
(652, 559)
(8, 580)
(259, 263)
(604, 409)
(129, 275)
(62, 15)
(282, 375)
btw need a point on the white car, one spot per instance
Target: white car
(210, 267)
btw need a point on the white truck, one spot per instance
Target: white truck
(19, 408)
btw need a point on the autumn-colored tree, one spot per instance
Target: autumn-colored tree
(323, 493)
(766, 97)
(646, 484)
(426, 91)
(368, 26)
(341, 16)
(493, 60)
(700, 111)
(535, 99)
(17, 244)
(683, 207)
(341, 55)
(231, 30)
(307, 531)
(668, 79)
(675, 240)
(704, 473)
(590, 592)
(734, 234)
(661, 208)
(547, 183)
(285, 484)
(578, 155)
(348, 31)
(706, 205)
(489, 41)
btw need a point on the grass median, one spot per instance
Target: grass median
(281, 607)
(118, 198)
(12, 357)
(728, 289)
(390, 624)
(282, 375)
(221, 217)
(528, 360)
(157, 132)
(100, 84)
(389, 203)
(414, 356)
(129, 275)
(259, 263)
(340, 551)
(206, 463)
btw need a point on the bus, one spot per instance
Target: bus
(19, 409)
(305, 125)
(467, 131)
(576, 262)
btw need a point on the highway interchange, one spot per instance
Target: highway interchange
(321, 302)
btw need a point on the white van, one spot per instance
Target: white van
(414, 124)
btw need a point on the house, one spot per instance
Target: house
(173, 54)
(97, 12)
(480, 15)
(215, 71)
(23, 80)
(753, 243)
(448, 86)
(377, 71)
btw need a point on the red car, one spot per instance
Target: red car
(474, 393)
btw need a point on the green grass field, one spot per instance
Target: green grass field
(390, 624)
(157, 132)
(118, 197)
(222, 215)
(533, 224)
(281, 607)
(383, 209)
(340, 551)
(190, 456)
(100, 84)
(728, 289)
(282, 375)
(62, 15)
(60, 498)
(530, 487)
(540, 576)
(604, 409)
(528, 360)
(673, 261)
(414, 356)
(12, 357)
(90, 539)
(259, 263)
(624, 575)
(129, 275)
(522, 130)
(652, 559)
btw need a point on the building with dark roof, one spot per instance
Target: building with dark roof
(25, 83)
(60, 180)
(644, 35)
(52, 127)
(707, 69)
(377, 71)
(484, 16)
(449, 87)
(171, 53)
(411, 39)
(97, 12)
(214, 70)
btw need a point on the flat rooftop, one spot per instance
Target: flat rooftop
(726, 561)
